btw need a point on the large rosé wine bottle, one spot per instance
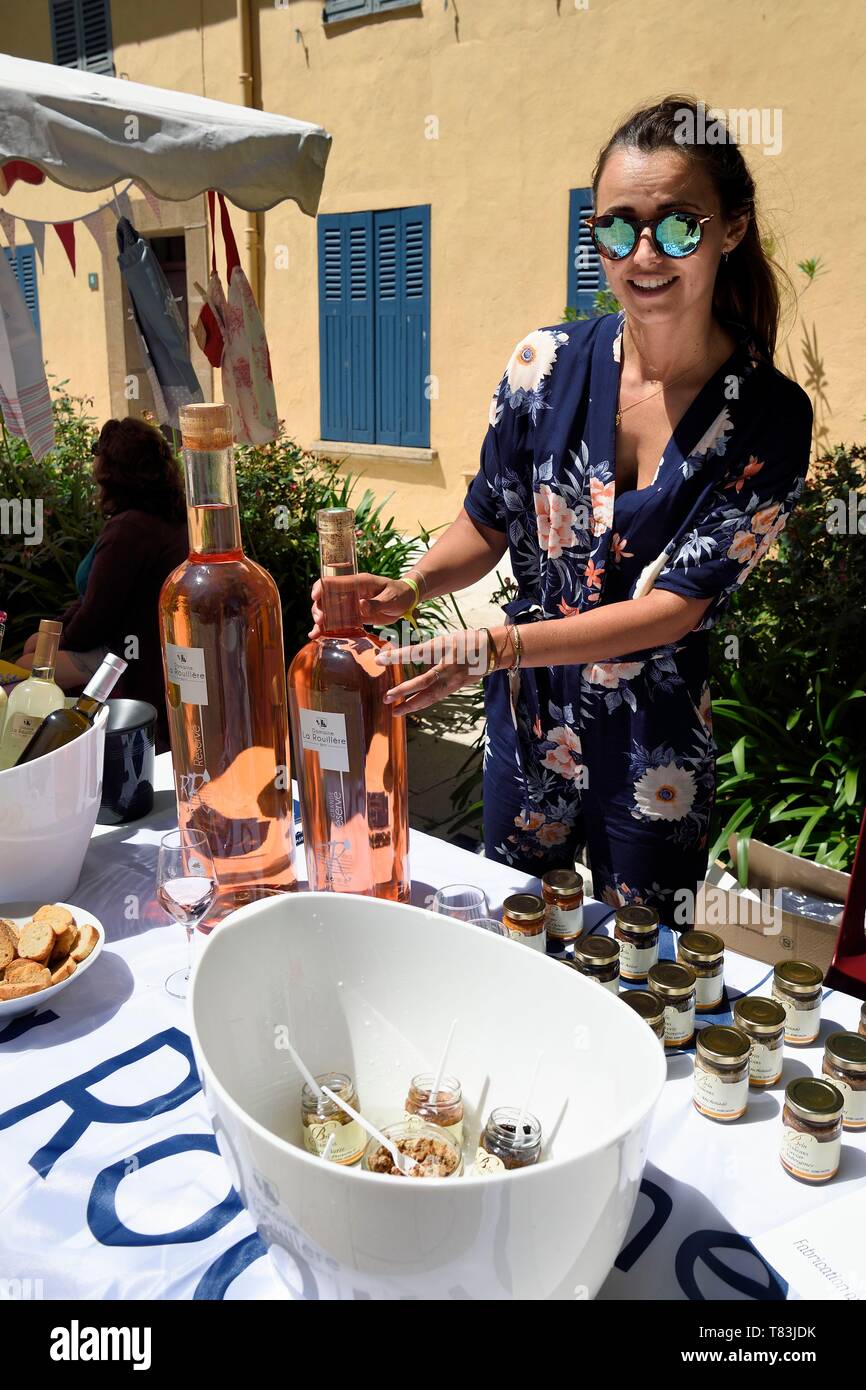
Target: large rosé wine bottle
(350, 749)
(222, 649)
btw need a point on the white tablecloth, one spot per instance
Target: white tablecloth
(113, 1187)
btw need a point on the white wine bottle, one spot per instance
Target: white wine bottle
(34, 698)
(64, 724)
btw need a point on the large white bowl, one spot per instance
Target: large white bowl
(371, 987)
(48, 809)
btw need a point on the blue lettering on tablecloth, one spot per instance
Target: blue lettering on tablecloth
(220, 1275)
(87, 1110)
(700, 1246)
(662, 1208)
(106, 1225)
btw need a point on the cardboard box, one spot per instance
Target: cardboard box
(758, 927)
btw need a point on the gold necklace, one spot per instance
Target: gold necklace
(652, 395)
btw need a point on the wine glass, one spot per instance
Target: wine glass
(461, 900)
(185, 886)
(491, 924)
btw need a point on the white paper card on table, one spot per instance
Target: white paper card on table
(822, 1254)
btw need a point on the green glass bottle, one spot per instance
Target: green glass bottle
(63, 725)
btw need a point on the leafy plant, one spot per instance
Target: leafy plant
(604, 302)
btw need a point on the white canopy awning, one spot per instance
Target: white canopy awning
(87, 132)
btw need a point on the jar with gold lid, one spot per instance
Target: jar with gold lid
(675, 985)
(722, 1072)
(562, 891)
(704, 952)
(322, 1117)
(797, 986)
(445, 1108)
(636, 928)
(649, 1007)
(523, 919)
(812, 1129)
(597, 957)
(845, 1065)
(763, 1022)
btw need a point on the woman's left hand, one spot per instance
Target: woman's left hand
(455, 659)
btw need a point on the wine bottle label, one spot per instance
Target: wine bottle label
(325, 733)
(185, 667)
(22, 727)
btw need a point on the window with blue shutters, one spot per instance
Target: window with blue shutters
(81, 35)
(585, 274)
(23, 263)
(374, 336)
(353, 9)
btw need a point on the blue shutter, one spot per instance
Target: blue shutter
(345, 9)
(23, 263)
(390, 355)
(346, 326)
(585, 275)
(415, 226)
(81, 35)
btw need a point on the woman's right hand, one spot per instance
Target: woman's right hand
(381, 600)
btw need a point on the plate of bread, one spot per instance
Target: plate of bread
(44, 948)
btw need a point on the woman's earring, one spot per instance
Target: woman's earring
(725, 257)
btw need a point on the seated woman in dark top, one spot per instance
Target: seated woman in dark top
(144, 538)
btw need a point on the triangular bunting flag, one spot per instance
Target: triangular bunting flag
(37, 236)
(66, 232)
(98, 227)
(152, 201)
(7, 222)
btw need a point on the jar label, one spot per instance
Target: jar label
(806, 1157)
(565, 922)
(765, 1063)
(185, 668)
(719, 1099)
(324, 732)
(487, 1163)
(416, 1122)
(801, 1025)
(611, 985)
(349, 1143)
(709, 990)
(854, 1113)
(537, 942)
(636, 961)
(679, 1027)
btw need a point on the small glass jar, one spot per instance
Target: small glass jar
(436, 1153)
(597, 957)
(501, 1148)
(845, 1065)
(650, 1008)
(322, 1118)
(763, 1022)
(704, 952)
(675, 985)
(636, 928)
(444, 1109)
(812, 1129)
(523, 919)
(862, 1028)
(562, 891)
(722, 1072)
(797, 986)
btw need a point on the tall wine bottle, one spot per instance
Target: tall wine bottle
(62, 725)
(222, 646)
(350, 749)
(34, 698)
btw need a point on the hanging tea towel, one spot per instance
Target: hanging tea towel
(24, 396)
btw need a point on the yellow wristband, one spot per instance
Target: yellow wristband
(410, 611)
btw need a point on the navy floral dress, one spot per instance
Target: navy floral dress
(618, 755)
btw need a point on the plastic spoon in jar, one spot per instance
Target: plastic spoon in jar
(434, 1094)
(401, 1161)
(329, 1144)
(304, 1070)
(521, 1118)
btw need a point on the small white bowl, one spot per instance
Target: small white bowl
(370, 987)
(20, 913)
(48, 809)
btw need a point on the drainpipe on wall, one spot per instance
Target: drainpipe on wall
(252, 224)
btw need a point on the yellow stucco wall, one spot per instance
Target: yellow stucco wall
(521, 94)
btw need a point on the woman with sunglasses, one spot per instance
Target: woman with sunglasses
(144, 537)
(636, 466)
